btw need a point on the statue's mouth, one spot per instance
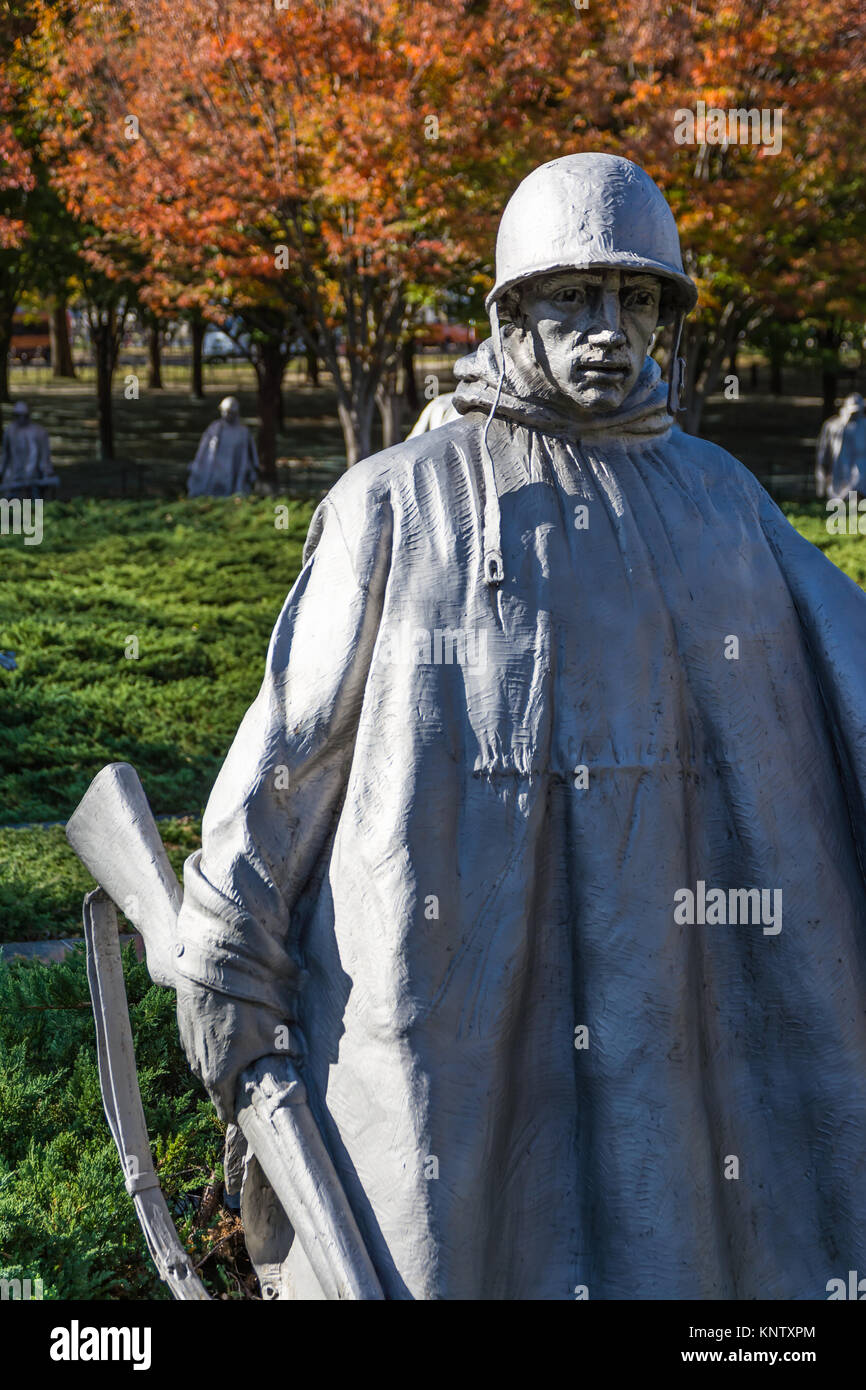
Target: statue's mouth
(602, 369)
(602, 364)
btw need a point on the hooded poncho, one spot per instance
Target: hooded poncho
(840, 463)
(226, 461)
(25, 457)
(488, 849)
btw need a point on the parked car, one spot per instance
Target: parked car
(218, 346)
(448, 337)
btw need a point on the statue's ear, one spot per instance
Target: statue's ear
(511, 315)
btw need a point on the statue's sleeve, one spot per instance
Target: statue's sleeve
(272, 810)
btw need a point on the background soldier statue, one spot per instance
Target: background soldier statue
(439, 411)
(226, 460)
(25, 457)
(840, 464)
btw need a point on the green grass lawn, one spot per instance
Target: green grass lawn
(42, 883)
(65, 1217)
(848, 552)
(140, 631)
(199, 583)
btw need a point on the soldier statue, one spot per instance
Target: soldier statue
(536, 869)
(226, 460)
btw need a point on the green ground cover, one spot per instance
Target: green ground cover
(848, 552)
(65, 1217)
(193, 587)
(42, 883)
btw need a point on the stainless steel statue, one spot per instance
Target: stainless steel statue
(226, 460)
(437, 412)
(25, 456)
(539, 859)
(840, 461)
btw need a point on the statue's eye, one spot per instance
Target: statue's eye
(638, 299)
(570, 295)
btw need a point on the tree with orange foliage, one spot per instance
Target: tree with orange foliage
(317, 168)
(767, 231)
(324, 168)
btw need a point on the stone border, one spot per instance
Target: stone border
(59, 948)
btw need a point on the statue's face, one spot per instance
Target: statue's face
(590, 332)
(229, 410)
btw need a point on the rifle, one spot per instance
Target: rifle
(115, 836)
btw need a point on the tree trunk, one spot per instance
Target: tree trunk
(7, 318)
(312, 367)
(704, 383)
(776, 383)
(693, 350)
(753, 379)
(270, 366)
(5, 345)
(154, 376)
(62, 364)
(104, 348)
(389, 405)
(407, 358)
(356, 420)
(829, 391)
(196, 330)
(829, 341)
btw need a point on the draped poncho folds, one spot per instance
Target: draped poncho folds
(456, 866)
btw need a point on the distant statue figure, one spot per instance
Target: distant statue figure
(25, 458)
(840, 463)
(439, 411)
(226, 460)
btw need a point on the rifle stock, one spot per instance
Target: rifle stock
(114, 834)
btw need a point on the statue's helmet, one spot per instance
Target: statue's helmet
(21, 411)
(229, 405)
(589, 212)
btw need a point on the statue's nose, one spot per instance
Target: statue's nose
(606, 324)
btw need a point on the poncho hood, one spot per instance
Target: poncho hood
(527, 396)
(503, 378)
